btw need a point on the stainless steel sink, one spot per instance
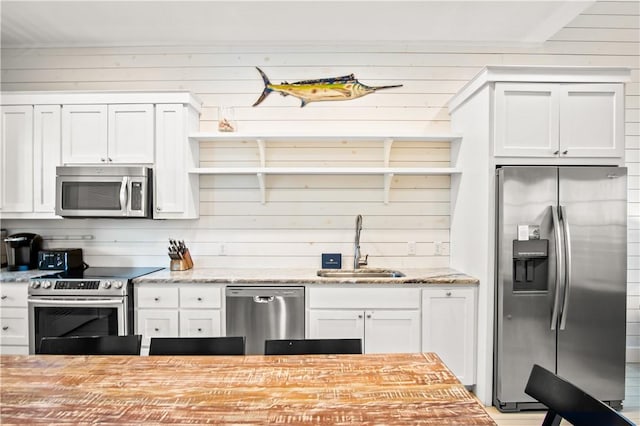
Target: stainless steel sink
(359, 273)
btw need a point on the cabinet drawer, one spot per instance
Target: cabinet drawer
(157, 297)
(200, 296)
(156, 323)
(14, 327)
(364, 298)
(13, 295)
(200, 323)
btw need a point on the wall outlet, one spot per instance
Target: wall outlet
(411, 248)
(437, 248)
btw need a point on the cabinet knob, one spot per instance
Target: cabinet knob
(556, 152)
(360, 316)
(5, 328)
(158, 208)
(199, 330)
(156, 329)
(4, 296)
(368, 315)
(199, 299)
(448, 293)
(565, 152)
(103, 160)
(109, 159)
(157, 299)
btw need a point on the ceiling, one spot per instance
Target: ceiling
(125, 23)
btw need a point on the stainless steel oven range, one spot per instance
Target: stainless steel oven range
(97, 301)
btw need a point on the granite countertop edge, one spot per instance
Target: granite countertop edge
(300, 276)
(272, 276)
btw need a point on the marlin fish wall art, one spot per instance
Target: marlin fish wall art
(322, 89)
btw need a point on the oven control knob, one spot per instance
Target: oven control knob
(117, 284)
(46, 284)
(106, 284)
(35, 284)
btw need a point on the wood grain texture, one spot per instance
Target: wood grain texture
(396, 389)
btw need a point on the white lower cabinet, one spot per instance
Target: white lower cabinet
(14, 323)
(177, 310)
(448, 328)
(387, 320)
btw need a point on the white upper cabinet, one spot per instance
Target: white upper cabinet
(176, 192)
(42, 130)
(592, 120)
(108, 134)
(556, 120)
(17, 152)
(526, 120)
(46, 156)
(29, 156)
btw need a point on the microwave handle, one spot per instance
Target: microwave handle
(124, 193)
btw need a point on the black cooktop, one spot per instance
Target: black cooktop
(101, 273)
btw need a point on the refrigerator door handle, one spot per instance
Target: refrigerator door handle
(567, 281)
(559, 266)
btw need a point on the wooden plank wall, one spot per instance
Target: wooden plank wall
(308, 215)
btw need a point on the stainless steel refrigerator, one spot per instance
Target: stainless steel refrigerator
(561, 280)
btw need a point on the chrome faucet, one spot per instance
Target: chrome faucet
(358, 261)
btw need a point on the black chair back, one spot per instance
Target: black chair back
(91, 345)
(566, 401)
(313, 347)
(197, 345)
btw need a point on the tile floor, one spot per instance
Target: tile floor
(534, 418)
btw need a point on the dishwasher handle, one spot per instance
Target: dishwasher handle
(263, 299)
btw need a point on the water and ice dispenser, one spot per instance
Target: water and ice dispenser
(530, 265)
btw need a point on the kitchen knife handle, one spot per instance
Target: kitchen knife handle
(559, 264)
(567, 277)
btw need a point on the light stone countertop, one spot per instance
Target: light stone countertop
(20, 276)
(271, 276)
(300, 276)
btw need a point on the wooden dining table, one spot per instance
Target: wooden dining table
(381, 389)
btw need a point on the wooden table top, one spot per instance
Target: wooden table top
(390, 389)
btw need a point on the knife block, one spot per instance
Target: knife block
(182, 264)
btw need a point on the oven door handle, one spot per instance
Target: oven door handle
(73, 302)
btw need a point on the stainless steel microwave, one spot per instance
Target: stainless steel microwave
(115, 191)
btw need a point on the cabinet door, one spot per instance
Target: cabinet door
(342, 324)
(16, 159)
(130, 133)
(13, 295)
(14, 328)
(592, 120)
(392, 331)
(84, 134)
(200, 323)
(46, 156)
(156, 323)
(526, 120)
(448, 329)
(170, 175)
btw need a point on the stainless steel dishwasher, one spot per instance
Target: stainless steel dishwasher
(262, 312)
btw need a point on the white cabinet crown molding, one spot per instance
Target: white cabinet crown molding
(100, 97)
(540, 74)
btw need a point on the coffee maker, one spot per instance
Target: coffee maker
(22, 251)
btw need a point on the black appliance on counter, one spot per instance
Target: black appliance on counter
(96, 301)
(22, 251)
(60, 259)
